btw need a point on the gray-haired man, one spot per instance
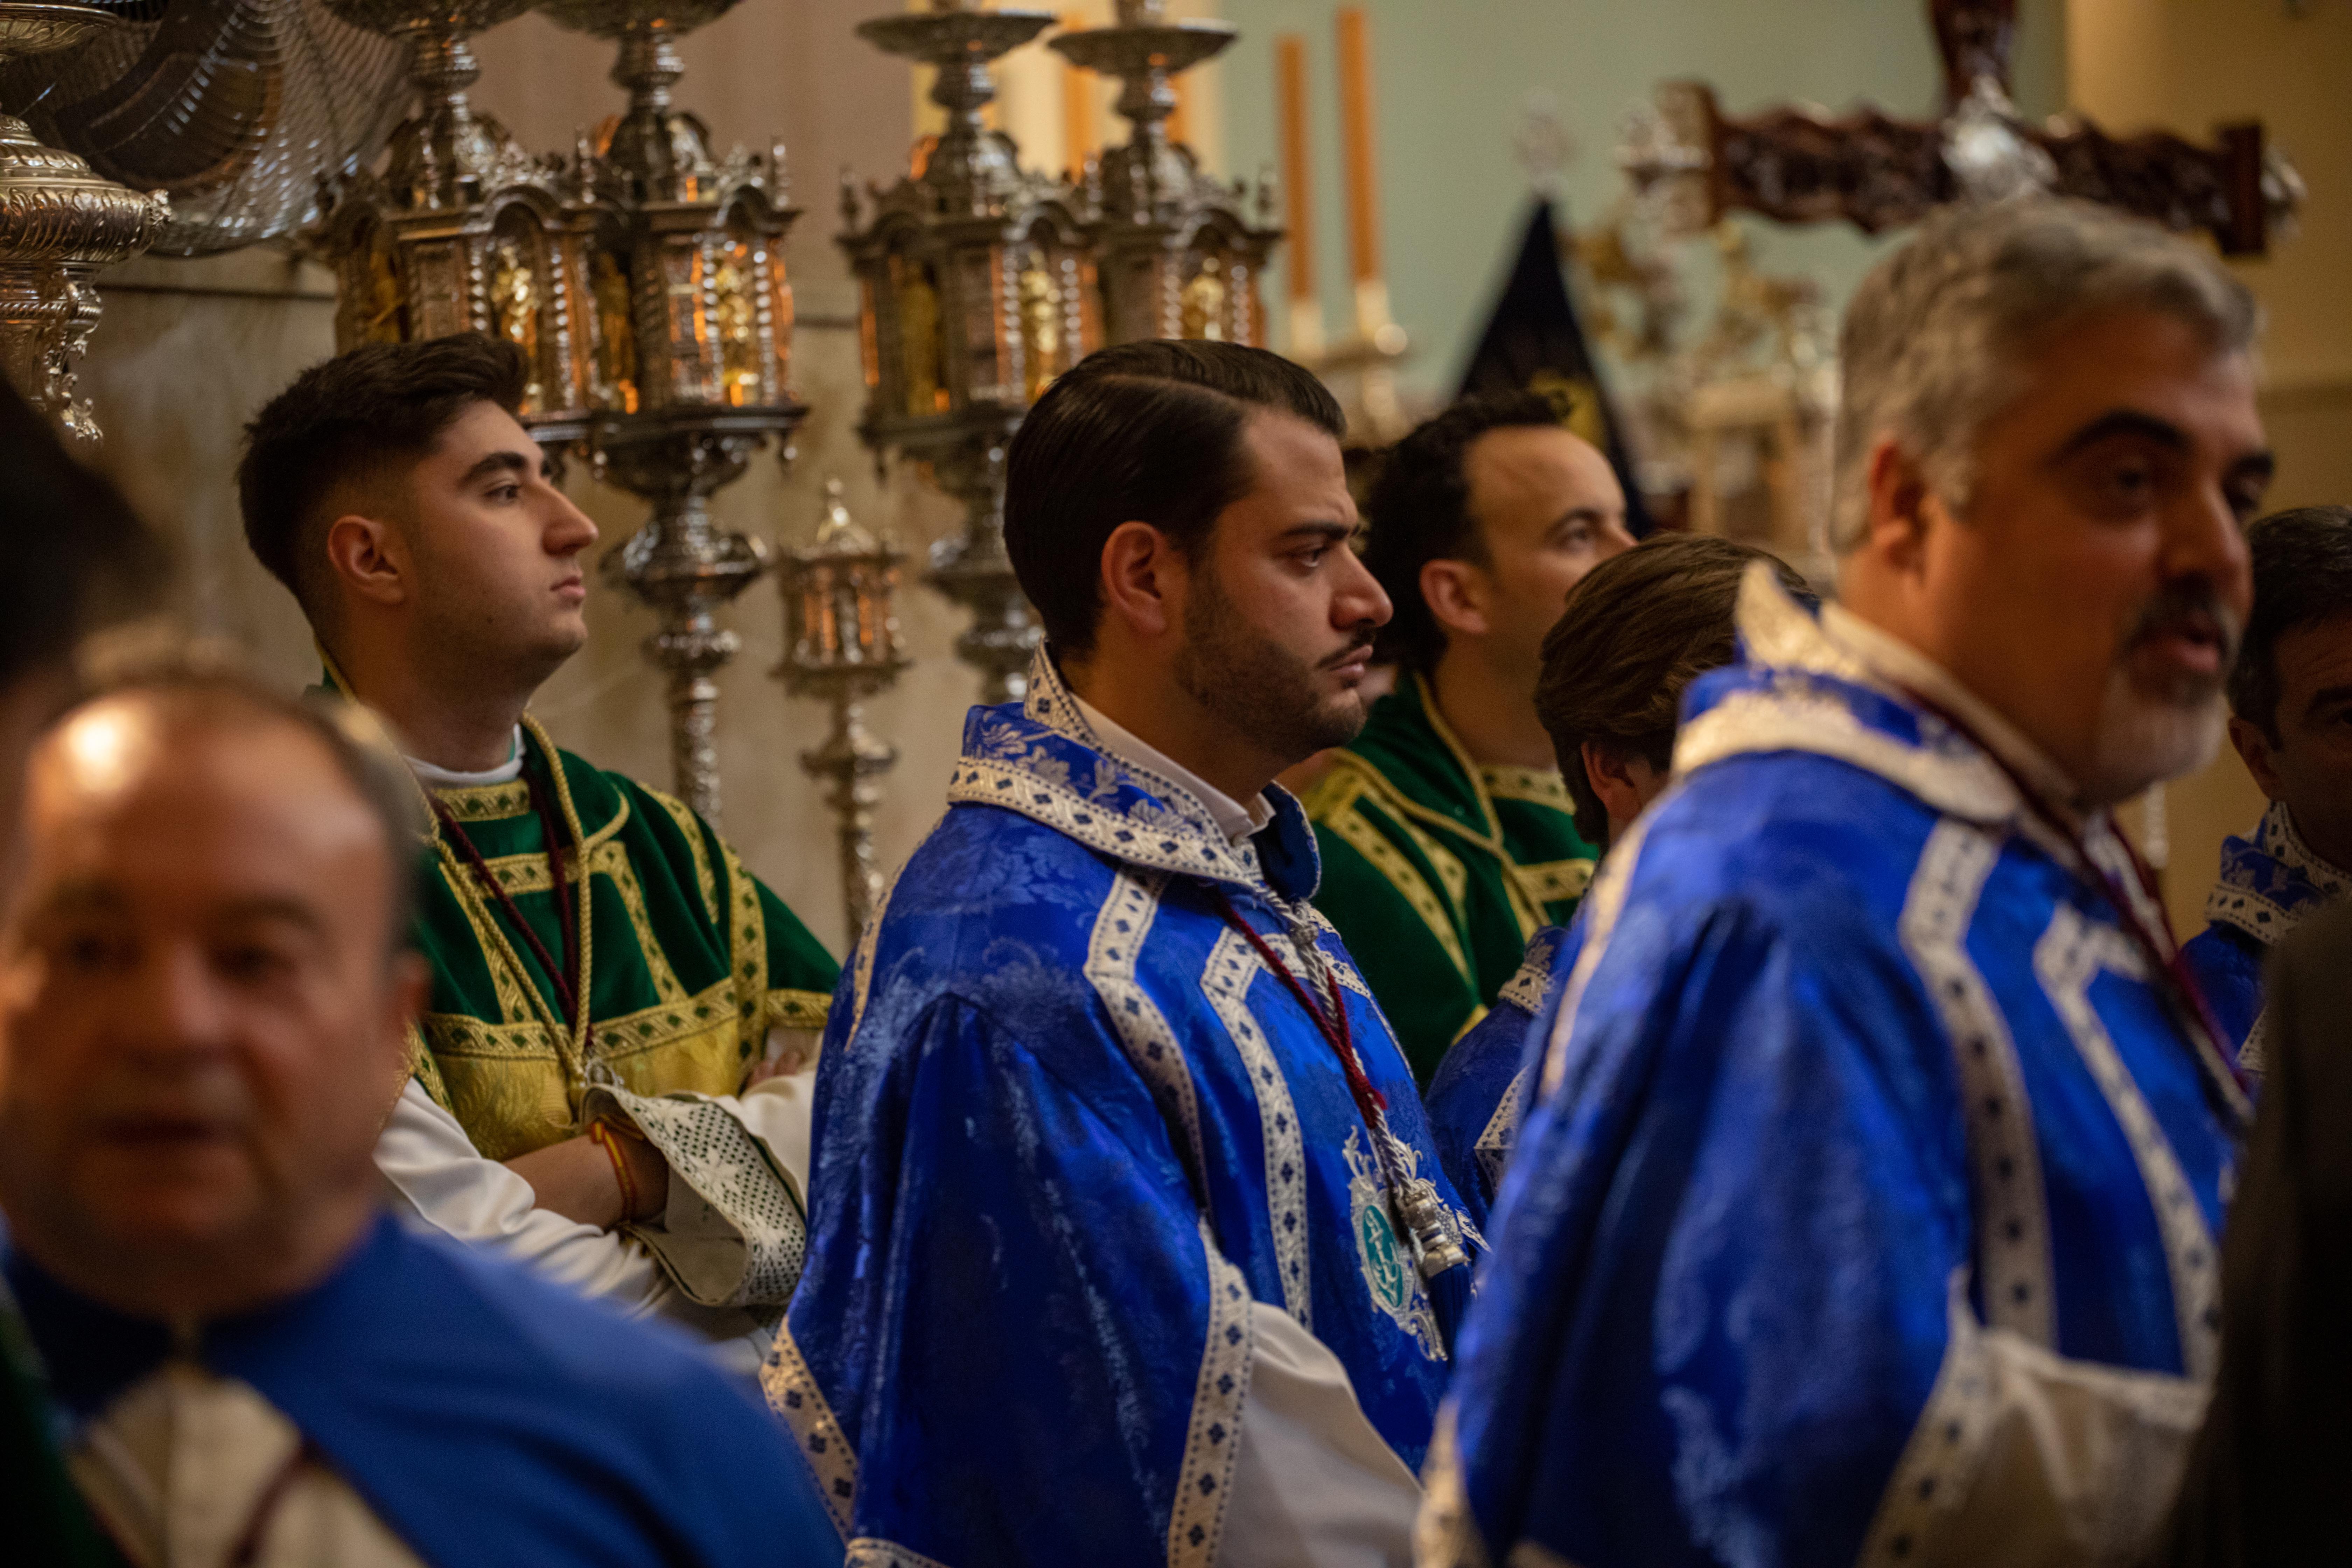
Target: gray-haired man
(1868, 1210)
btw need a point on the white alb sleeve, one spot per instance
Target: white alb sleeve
(439, 1177)
(439, 1181)
(1313, 1485)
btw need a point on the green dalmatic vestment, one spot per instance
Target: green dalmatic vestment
(690, 960)
(1437, 869)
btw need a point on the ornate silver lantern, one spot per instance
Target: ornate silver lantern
(1177, 253)
(644, 282)
(462, 231)
(59, 223)
(693, 331)
(977, 291)
(841, 644)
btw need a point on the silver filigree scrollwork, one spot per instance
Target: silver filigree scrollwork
(59, 223)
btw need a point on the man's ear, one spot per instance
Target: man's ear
(1611, 780)
(2255, 749)
(1143, 580)
(367, 558)
(1901, 507)
(1457, 595)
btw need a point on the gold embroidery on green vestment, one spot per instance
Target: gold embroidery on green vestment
(1447, 864)
(689, 826)
(1552, 880)
(576, 1059)
(528, 872)
(1352, 781)
(747, 941)
(1386, 859)
(1538, 786)
(486, 803)
(698, 979)
(518, 999)
(508, 1085)
(798, 1009)
(532, 1109)
(1462, 759)
(1524, 894)
(424, 1068)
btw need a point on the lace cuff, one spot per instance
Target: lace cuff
(734, 1234)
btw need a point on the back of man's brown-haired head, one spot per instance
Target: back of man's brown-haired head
(1638, 629)
(346, 432)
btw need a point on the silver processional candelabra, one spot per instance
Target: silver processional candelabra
(841, 644)
(977, 290)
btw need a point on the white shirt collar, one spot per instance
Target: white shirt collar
(1236, 819)
(1905, 666)
(432, 777)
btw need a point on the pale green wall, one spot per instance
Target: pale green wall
(1449, 83)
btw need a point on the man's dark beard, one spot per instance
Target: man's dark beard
(1259, 687)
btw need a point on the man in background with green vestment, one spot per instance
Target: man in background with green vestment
(613, 1074)
(1447, 835)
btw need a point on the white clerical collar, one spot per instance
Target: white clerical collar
(432, 777)
(1236, 819)
(1906, 667)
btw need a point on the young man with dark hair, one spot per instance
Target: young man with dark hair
(1132, 1245)
(205, 989)
(1641, 628)
(581, 1095)
(2291, 720)
(1446, 833)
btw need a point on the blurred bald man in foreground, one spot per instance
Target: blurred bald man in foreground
(204, 994)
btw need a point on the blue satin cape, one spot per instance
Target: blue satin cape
(1072, 1137)
(1854, 1066)
(1475, 1096)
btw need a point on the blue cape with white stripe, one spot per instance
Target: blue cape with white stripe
(1476, 1095)
(1871, 1192)
(1074, 1140)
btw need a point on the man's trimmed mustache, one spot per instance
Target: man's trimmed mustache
(2190, 609)
(1362, 645)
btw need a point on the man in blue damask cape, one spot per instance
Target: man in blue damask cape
(205, 991)
(1867, 1207)
(2291, 697)
(1636, 632)
(1130, 1242)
